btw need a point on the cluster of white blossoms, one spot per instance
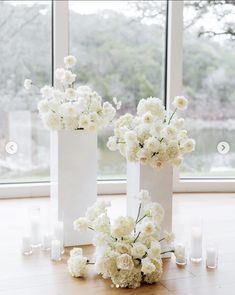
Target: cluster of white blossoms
(128, 251)
(153, 136)
(72, 108)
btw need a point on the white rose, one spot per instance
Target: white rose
(155, 250)
(77, 266)
(180, 102)
(147, 228)
(125, 262)
(43, 106)
(46, 91)
(189, 145)
(52, 121)
(112, 143)
(84, 122)
(81, 224)
(138, 250)
(71, 93)
(70, 61)
(60, 74)
(123, 248)
(147, 266)
(28, 84)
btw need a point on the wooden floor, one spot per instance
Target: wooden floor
(36, 274)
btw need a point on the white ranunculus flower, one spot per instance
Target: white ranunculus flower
(81, 224)
(152, 144)
(77, 266)
(46, 91)
(147, 228)
(43, 106)
(169, 133)
(148, 118)
(125, 262)
(156, 129)
(71, 93)
(70, 61)
(112, 143)
(179, 123)
(52, 121)
(138, 250)
(28, 84)
(142, 156)
(60, 74)
(84, 121)
(147, 266)
(69, 78)
(58, 95)
(76, 251)
(143, 197)
(123, 248)
(180, 102)
(176, 162)
(172, 150)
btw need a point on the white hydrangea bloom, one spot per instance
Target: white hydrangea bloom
(77, 265)
(147, 266)
(81, 224)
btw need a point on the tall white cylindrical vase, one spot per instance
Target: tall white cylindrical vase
(159, 183)
(73, 179)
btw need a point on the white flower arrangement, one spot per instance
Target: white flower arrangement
(71, 108)
(152, 136)
(128, 251)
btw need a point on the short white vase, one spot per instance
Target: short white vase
(73, 179)
(158, 182)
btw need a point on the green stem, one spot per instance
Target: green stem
(141, 219)
(136, 237)
(91, 228)
(162, 239)
(138, 213)
(172, 115)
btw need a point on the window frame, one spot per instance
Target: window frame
(173, 86)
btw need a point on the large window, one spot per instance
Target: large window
(120, 46)
(208, 81)
(25, 42)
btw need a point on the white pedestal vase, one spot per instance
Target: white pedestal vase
(158, 182)
(73, 180)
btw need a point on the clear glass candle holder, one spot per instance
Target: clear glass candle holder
(26, 248)
(196, 241)
(211, 256)
(180, 253)
(55, 250)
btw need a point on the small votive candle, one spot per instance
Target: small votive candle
(180, 254)
(196, 244)
(211, 257)
(59, 234)
(55, 250)
(26, 248)
(46, 242)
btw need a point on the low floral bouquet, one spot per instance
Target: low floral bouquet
(128, 251)
(152, 136)
(69, 107)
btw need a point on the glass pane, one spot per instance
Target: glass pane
(25, 42)
(209, 79)
(120, 50)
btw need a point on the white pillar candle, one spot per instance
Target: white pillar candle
(211, 257)
(26, 245)
(59, 234)
(55, 250)
(35, 231)
(196, 244)
(180, 254)
(46, 242)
